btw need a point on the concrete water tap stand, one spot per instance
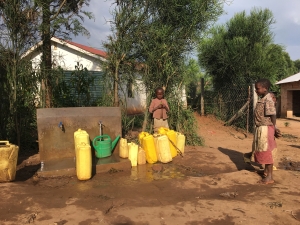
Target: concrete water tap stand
(56, 127)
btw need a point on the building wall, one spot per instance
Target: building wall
(287, 98)
(138, 103)
(68, 58)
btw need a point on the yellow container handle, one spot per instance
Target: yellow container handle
(4, 142)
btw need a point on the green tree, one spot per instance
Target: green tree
(297, 65)
(59, 18)
(153, 39)
(242, 50)
(121, 56)
(279, 63)
(192, 76)
(18, 83)
(122, 64)
(172, 31)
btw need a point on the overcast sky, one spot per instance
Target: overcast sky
(286, 28)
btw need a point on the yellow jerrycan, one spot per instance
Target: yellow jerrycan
(81, 136)
(133, 153)
(141, 156)
(162, 148)
(83, 161)
(149, 147)
(172, 140)
(141, 136)
(180, 142)
(8, 161)
(155, 136)
(163, 130)
(83, 155)
(123, 153)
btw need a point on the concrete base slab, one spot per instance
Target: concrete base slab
(105, 164)
(67, 167)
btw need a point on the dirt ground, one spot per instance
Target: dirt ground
(209, 185)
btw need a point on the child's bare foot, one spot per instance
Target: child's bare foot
(266, 181)
(262, 173)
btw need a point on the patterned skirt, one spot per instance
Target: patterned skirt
(264, 145)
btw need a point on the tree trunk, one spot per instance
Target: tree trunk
(46, 53)
(146, 115)
(116, 83)
(202, 97)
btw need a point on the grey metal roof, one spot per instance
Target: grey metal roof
(290, 79)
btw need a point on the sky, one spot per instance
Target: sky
(286, 14)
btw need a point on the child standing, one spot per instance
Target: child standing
(278, 134)
(265, 129)
(159, 107)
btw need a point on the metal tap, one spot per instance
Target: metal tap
(61, 126)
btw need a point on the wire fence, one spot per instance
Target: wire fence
(78, 88)
(231, 104)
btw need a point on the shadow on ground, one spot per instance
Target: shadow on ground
(26, 172)
(295, 146)
(237, 158)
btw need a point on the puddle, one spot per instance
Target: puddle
(141, 173)
(150, 172)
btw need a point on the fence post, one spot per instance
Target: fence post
(202, 97)
(248, 111)
(255, 97)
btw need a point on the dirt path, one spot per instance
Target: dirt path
(210, 185)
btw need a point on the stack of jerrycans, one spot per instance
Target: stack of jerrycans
(176, 140)
(83, 155)
(147, 142)
(8, 161)
(133, 152)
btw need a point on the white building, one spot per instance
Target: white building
(68, 54)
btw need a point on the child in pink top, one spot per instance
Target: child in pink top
(159, 107)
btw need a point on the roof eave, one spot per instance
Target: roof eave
(54, 39)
